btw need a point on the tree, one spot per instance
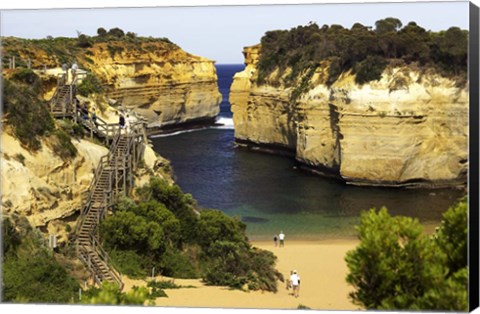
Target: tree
(214, 226)
(452, 235)
(369, 69)
(101, 32)
(116, 32)
(396, 266)
(180, 204)
(84, 41)
(390, 24)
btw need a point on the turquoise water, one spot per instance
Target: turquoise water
(270, 195)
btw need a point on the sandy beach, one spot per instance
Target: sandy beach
(320, 265)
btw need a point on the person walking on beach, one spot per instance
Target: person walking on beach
(281, 237)
(295, 283)
(275, 240)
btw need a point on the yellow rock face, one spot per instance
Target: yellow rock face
(408, 128)
(166, 85)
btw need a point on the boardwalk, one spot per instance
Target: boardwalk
(113, 177)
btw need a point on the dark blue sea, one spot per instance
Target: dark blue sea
(270, 195)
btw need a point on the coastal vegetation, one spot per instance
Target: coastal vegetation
(55, 51)
(27, 116)
(364, 50)
(31, 272)
(397, 266)
(25, 113)
(163, 230)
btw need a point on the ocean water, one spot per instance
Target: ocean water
(270, 195)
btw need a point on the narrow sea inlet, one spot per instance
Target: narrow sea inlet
(269, 194)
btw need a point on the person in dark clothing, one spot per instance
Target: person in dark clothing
(121, 121)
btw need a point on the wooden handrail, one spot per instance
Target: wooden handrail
(115, 168)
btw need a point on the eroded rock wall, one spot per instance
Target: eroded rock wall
(410, 128)
(165, 85)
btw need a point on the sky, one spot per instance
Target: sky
(220, 32)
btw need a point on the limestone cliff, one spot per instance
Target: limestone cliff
(410, 128)
(48, 190)
(165, 85)
(153, 77)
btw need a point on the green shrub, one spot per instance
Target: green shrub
(129, 262)
(397, 267)
(175, 201)
(26, 114)
(214, 225)
(362, 49)
(451, 237)
(152, 233)
(20, 158)
(370, 69)
(110, 294)
(30, 272)
(90, 84)
(163, 284)
(176, 264)
(236, 264)
(27, 77)
(62, 145)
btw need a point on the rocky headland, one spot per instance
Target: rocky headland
(153, 77)
(408, 128)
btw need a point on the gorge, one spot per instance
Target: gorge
(409, 128)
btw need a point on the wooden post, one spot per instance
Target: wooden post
(13, 63)
(124, 175)
(91, 126)
(29, 63)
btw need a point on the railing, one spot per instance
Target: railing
(118, 165)
(102, 255)
(115, 168)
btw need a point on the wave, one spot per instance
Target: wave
(224, 123)
(221, 123)
(177, 132)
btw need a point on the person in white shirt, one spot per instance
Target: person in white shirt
(281, 237)
(295, 283)
(127, 124)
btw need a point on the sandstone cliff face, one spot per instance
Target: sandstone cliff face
(41, 186)
(154, 77)
(48, 190)
(165, 85)
(409, 128)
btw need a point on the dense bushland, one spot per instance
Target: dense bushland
(396, 266)
(363, 49)
(30, 271)
(163, 230)
(24, 111)
(27, 115)
(90, 84)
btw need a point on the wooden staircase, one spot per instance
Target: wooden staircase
(62, 103)
(112, 178)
